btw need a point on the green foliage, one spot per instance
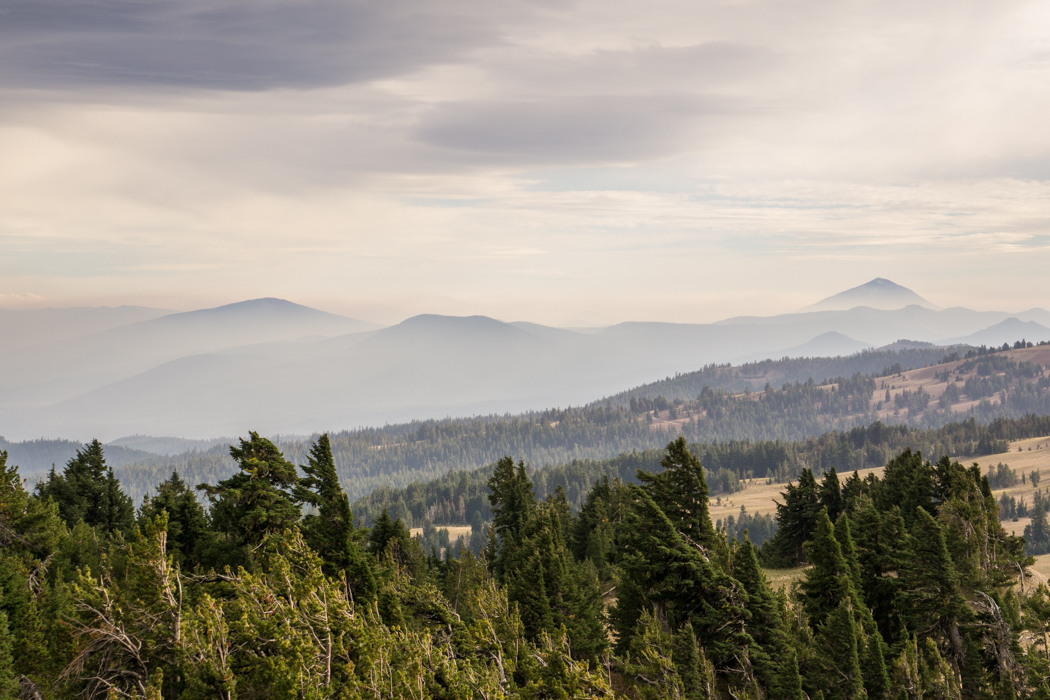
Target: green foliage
(8, 685)
(330, 531)
(681, 491)
(258, 500)
(912, 594)
(88, 491)
(188, 524)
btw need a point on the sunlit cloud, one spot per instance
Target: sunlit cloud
(410, 157)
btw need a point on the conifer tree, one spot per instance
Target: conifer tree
(675, 574)
(830, 493)
(907, 483)
(788, 683)
(188, 525)
(88, 491)
(512, 504)
(766, 625)
(696, 672)
(933, 604)
(680, 491)
(259, 499)
(849, 551)
(827, 582)
(8, 685)
(331, 532)
(838, 674)
(797, 517)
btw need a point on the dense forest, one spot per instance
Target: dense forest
(396, 456)
(461, 498)
(268, 589)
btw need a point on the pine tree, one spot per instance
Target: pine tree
(331, 532)
(907, 483)
(258, 500)
(788, 683)
(512, 504)
(830, 493)
(680, 491)
(88, 491)
(932, 602)
(827, 583)
(766, 625)
(849, 551)
(8, 685)
(797, 517)
(839, 675)
(695, 671)
(673, 573)
(188, 525)
(876, 676)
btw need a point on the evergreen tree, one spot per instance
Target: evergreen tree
(830, 493)
(797, 517)
(512, 503)
(788, 682)
(849, 551)
(907, 483)
(87, 491)
(675, 574)
(8, 685)
(680, 491)
(838, 672)
(827, 582)
(331, 532)
(258, 500)
(188, 525)
(695, 671)
(932, 602)
(766, 625)
(385, 531)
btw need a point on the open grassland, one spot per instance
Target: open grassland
(1024, 457)
(760, 497)
(784, 578)
(926, 378)
(455, 532)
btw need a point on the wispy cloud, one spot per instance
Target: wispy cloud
(457, 157)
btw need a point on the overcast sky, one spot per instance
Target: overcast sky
(562, 162)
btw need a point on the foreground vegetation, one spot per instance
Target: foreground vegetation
(911, 589)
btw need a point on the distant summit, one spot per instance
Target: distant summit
(878, 294)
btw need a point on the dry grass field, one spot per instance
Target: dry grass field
(926, 379)
(455, 532)
(1024, 457)
(910, 380)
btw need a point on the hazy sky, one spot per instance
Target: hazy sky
(551, 161)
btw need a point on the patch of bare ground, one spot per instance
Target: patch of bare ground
(784, 578)
(928, 380)
(455, 532)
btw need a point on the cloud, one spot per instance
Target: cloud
(573, 130)
(234, 44)
(449, 156)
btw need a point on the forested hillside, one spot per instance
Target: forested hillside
(985, 385)
(755, 375)
(460, 498)
(911, 590)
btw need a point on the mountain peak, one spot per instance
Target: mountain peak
(880, 293)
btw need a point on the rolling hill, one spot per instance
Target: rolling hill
(280, 367)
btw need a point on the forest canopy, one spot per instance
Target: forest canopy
(911, 588)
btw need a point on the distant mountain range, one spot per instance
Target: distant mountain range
(279, 367)
(878, 294)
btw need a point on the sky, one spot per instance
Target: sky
(572, 163)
